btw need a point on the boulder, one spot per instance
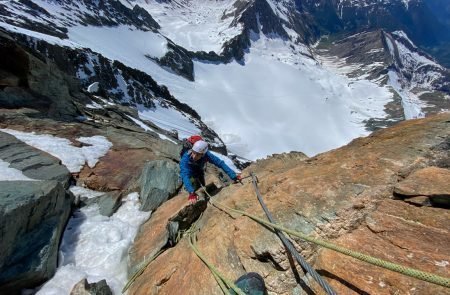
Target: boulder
(40, 83)
(32, 218)
(33, 162)
(108, 203)
(97, 288)
(159, 181)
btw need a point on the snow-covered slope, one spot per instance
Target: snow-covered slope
(276, 99)
(391, 59)
(195, 25)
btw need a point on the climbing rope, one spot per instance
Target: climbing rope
(411, 272)
(223, 282)
(140, 270)
(289, 245)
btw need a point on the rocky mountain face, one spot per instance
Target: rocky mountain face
(299, 23)
(37, 96)
(374, 196)
(414, 17)
(389, 59)
(90, 67)
(96, 13)
(313, 19)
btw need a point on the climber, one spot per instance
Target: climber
(192, 165)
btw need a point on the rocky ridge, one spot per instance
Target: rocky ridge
(357, 196)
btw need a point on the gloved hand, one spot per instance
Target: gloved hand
(238, 178)
(192, 198)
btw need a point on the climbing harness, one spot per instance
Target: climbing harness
(288, 243)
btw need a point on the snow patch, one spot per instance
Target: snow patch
(9, 174)
(195, 25)
(96, 247)
(169, 119)
(146, 127)
(83, 192)
(227, 161)
(72, 157)
(412, 105)
(108, 40)
(93, 87)
(94, 105)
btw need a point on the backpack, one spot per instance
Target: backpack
(188, 142)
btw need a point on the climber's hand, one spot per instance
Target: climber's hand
(192, 198)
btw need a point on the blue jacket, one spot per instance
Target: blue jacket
(190, 168)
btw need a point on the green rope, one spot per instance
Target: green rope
(140, 271)
(411, 272)
(222, 281)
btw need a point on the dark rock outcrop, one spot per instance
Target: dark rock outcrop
(32, 218)
(178, 60)
(27, 81)
(97, 288)
(108, 203)
(159, 181)
(33, 163)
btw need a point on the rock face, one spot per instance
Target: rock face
(32, 162)
(431, 182)
(84, 288)
(28, 81)
(414, 17)
(32, 218)
(159, 181)
(345, 196)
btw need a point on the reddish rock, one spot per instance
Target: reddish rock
(153, 235)
(431, 181)
(411, 236)
(117, 170)
(345, 196)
